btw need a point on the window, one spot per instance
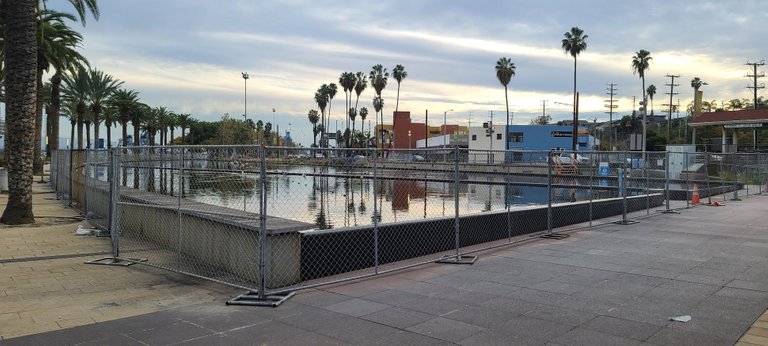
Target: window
(516, 137)
(474, 137)
(498, 136)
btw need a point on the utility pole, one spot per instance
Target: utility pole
(671, 93)
(543, 108)
(754, 77)
(611, 106)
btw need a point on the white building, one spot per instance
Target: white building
(487, 146)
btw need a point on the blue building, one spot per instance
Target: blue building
(544, 138)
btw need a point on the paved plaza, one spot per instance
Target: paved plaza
(610, 285)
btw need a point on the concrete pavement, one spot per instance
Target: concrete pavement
(611, 285)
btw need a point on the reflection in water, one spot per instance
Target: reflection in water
(330, 198)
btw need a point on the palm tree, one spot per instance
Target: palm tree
(321, 98)
(139, 113)
(75, 90)
(399, 74)
(574, 42)
(347, 81)
(184, 122)
(101, 86)
(70, 112)
(651, 91)
(505, 70)
(124, 100)
(363, 114)
(378, 105)
(313, 118)
(378, 78)
(111, 117)
(361, 83)
(82, 5)
(641, 63)
(20, 53)
(331, 91)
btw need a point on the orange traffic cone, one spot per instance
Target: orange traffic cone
(695, 199)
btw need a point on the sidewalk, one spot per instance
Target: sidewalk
(45, 286)
(611, 285)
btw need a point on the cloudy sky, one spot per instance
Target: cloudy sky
(188, 54)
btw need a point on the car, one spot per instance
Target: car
(418, 158)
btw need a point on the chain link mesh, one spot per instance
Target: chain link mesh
(275, 219)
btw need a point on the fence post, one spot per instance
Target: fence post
(706, 172)
(549, 192)
(666, 178)
(114, 196)
(71, 175)
(591, 182)
(262, 223)
(735, 178)
(178, 205)
(623, 187)
(647, 186)
(86, 170)
(375, 212)
(506, 200)
(456, 200)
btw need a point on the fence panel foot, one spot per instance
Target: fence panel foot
(453, 259)
(111, 261)
(625, 222)
(252, 298)
(556, 236)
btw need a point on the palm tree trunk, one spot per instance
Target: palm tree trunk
(575, 133)
(397, 103)
(21, 69)
(72, 134)
(645, 109)
(88, 135)
(37, 162)
(109, 135)
(96, 131)
(80, 122)
(506, 129)
(53, 136)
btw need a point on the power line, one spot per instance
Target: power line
(611, 106)
(670, 105)
(754, 77)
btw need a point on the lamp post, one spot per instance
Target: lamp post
(445, 124)
(245, 95)
(274, 123)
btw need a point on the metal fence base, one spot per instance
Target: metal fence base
(252, 298)
(111, 261)
(625, 222)
(556, 236)
(670, 211)
(453, 259)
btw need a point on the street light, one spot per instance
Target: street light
(409, 139)
(274, 123)
(245, 95)
(445, 124)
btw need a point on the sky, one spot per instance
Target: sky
(188, 55)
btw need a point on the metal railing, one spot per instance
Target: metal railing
(273, 220)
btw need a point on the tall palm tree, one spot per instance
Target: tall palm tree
(573, 43)
(697, 83)
(378, 79)
(69, 111)
(321, 98)
(361, 83)
(363, 114)
(331, 91)
(81, 6)
(651, 91)
(313, 119)
(100, 86)
(641, 62)
(111, 117)
(505, 70)
(139, 113)
(20, 53)
(399, 74)
(124, 100)
(184, 122)
(378, 105)
(75, 89)
(347, 81)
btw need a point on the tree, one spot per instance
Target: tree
(125, 100)
(20, 53)
(321, 98)
(100, 89)
(81, 6)
(347, 80)
(573, 43)
(75, 89)
(184, 122)
(378, 105)
(378, 78)
(313, 119)
(111, 117)
(363, 114)
(640, 63)
(541, 120)
(505, 70)
(361, 83)
(399, 74)
(651, 90)
(330, 91)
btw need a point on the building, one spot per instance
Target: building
(745, 120)
(405, 134)
(524, 138)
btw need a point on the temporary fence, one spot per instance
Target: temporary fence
(272, 220)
